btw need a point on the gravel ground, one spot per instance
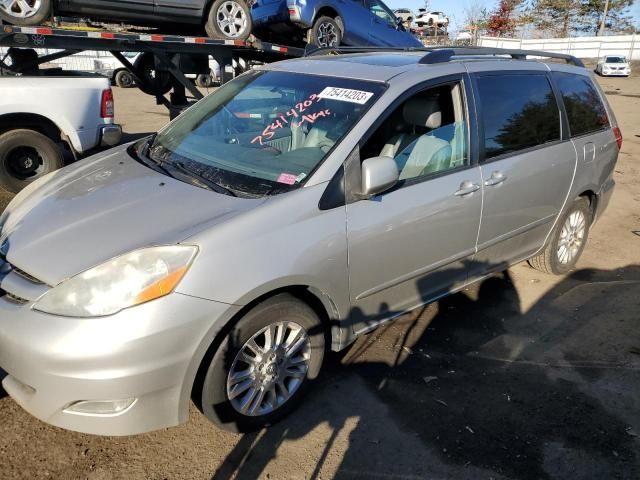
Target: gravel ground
(521, 376)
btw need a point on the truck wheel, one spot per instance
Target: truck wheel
(25, 156)
(229, 20)
(152, 81)
(567, 240)
(25, 12)
(262, 367)
(326, 32)
(124, 79)
(204, 80)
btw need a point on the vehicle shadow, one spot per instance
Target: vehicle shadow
(472, 386)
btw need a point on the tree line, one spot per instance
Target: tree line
(557, 18)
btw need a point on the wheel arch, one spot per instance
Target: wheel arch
(31, 121)
(592, 197)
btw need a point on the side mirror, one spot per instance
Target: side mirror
(378, 175)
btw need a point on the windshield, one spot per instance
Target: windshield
(614, 60)
(264, 132)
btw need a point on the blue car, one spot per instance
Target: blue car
(329, 23)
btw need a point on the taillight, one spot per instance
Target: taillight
(107, 108)
(618, 134)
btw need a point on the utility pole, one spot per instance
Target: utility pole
(604, 18)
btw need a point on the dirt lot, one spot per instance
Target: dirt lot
(522, 376)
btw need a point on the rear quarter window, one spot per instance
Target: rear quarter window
(585, 111)
(519, 111)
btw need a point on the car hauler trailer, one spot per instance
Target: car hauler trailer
(161, 67)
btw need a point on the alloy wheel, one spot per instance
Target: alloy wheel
(571, 237)
(20, 8)
(327, 35)
(231, 19)
(269, 368)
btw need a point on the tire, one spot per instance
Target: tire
(212, 397)
(41, 11)
(326, 32)
(552, 259)
(25, 156)
(238, 10)
(204, 81)
(152, 81)
(124, 79)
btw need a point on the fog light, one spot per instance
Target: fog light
(101, 407)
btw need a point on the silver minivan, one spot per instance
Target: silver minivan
(301, 205)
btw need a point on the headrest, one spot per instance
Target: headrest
(423, 112)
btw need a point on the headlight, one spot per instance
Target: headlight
(122, 282)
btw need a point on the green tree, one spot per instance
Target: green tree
(563, 17)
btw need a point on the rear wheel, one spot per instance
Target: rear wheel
(229, 20)
(326, 32)
(262, 367)
(567, 240)
(25, 156)
(25, 12)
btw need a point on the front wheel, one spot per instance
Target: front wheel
(567, 240)
(25, 12)
(262, 367)
(326, 32)
(229, 20)
(25, 156)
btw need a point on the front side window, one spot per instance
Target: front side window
(426, 135)
(585, 110)
(264, 132)
(518, 112)
(381, 11)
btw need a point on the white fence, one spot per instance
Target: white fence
(581, 47)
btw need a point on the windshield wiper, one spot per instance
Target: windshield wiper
(199, 180)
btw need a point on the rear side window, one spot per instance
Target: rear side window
(518, 112)
(585, 110)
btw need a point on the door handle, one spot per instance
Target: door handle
(496, 179)
(467, 188)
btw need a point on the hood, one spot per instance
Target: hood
(107, 205)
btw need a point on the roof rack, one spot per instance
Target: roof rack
(443, 55)
(436, 55)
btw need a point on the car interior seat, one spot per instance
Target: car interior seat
(419, 154)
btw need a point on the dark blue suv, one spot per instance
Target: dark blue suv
(349, 22)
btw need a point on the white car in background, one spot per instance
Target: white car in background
(431, 19)
(614, 65)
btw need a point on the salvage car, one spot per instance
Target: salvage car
(614, 66)
(227, 19)
(356, 23)
(301, 205)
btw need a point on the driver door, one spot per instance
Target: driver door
(415, 242)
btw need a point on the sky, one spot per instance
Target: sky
(455, 8)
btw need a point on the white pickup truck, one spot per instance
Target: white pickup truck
(47, 121)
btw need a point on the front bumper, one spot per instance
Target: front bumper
(110, 135)
(145, 353)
